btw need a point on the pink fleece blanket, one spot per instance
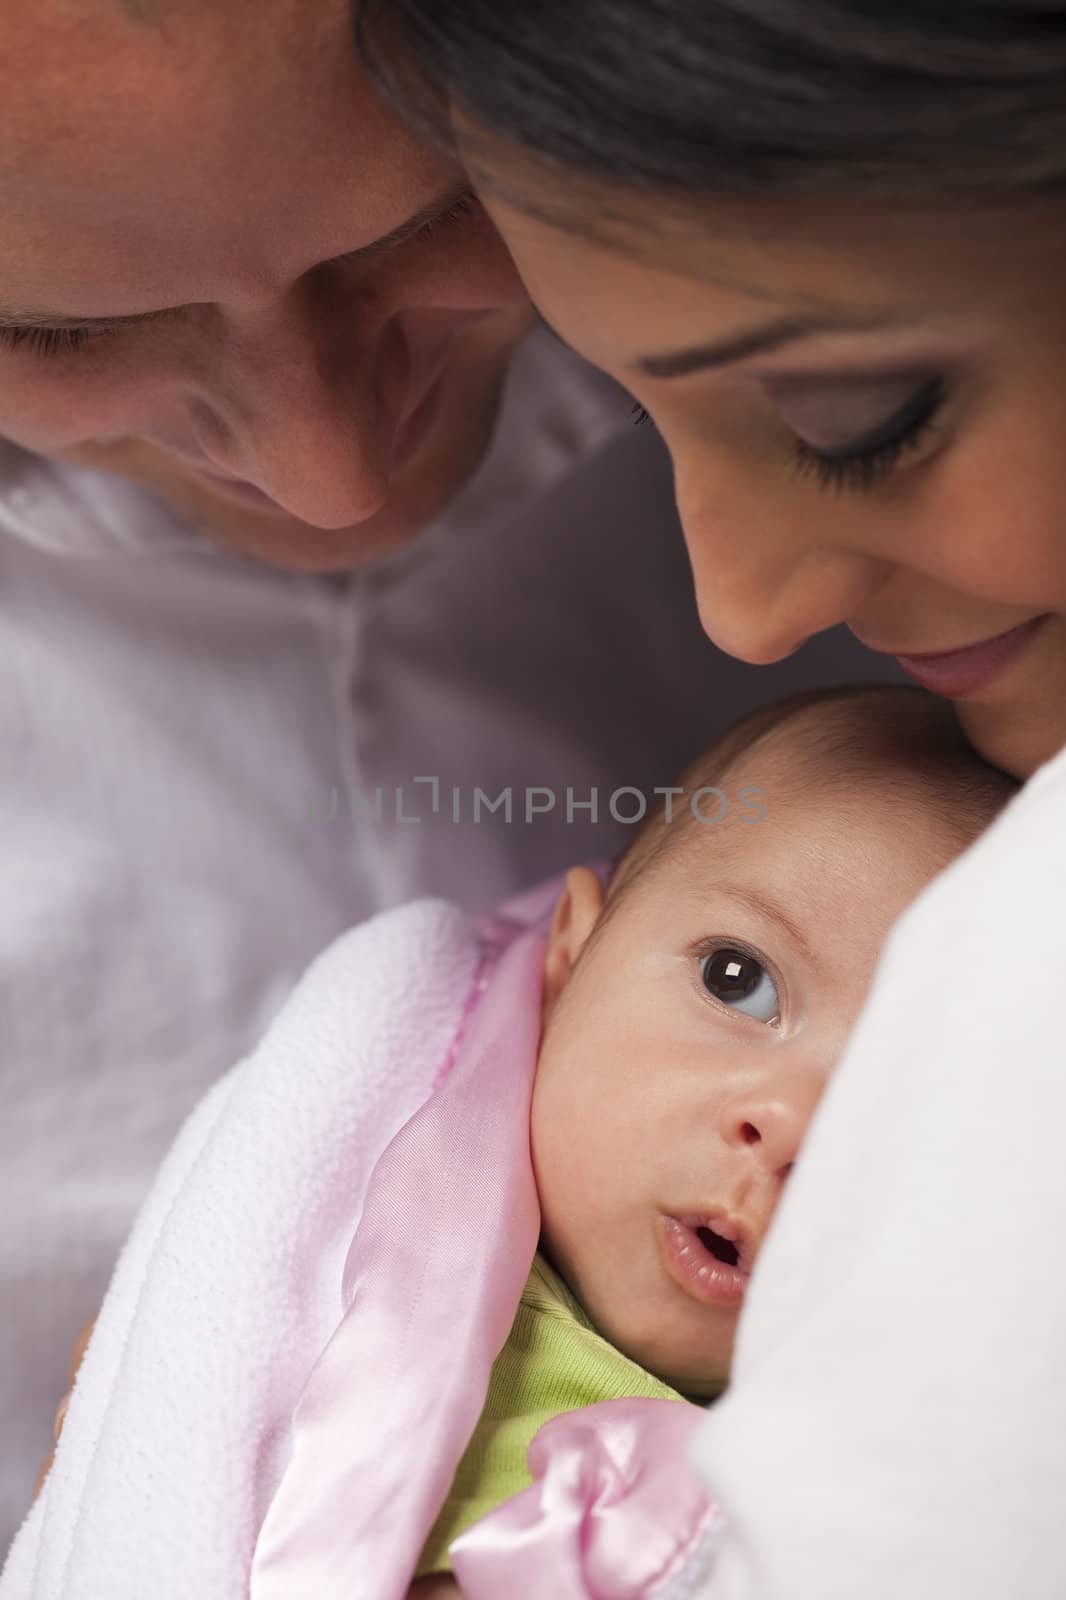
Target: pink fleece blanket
(298, 1339)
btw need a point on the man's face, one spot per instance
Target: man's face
(228, 274)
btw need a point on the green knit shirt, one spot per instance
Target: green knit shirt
(553, 1361)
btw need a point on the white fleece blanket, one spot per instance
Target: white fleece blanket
(174, 1433)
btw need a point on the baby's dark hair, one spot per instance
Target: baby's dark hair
(900, 736)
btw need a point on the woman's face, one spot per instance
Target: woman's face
(866, 411)
(226, 272)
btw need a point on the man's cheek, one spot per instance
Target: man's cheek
(59, 413)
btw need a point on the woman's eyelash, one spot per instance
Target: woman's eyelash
(868, 463)
(50, 341)
(639, 415)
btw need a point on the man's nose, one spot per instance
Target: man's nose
(307, 419)
(770, 1119)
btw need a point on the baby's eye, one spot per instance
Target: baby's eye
(737, 980)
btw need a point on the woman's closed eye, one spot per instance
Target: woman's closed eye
(738, 980)
(853, 436)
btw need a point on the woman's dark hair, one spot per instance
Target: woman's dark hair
(911, 99)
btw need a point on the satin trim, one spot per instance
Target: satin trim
(615, 1511)
(432, 1284)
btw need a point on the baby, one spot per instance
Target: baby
(665, 1040)
(693, 1009)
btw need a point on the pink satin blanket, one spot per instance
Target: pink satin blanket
(431, 1286)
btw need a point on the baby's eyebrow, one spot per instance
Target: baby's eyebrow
(771, 910)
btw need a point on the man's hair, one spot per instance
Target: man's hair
(908, 99)
(842, 740)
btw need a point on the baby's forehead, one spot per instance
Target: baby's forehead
(836, 755)
(833, 788)
(810, 795)
(815, 824)
(801, 868)
(820, 740)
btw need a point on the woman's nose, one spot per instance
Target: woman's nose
(310, 426)
(771, 1119)
(763, 614)
(765, 581)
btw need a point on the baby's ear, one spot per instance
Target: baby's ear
(577, 912)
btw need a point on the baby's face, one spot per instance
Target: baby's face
(684, 1055)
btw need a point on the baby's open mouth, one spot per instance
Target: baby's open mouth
(709, 1257)
(721, 1248)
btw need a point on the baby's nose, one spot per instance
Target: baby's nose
(771, 1120)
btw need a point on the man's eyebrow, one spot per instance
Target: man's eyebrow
(755, 342)
(770, 910)
(438, 207)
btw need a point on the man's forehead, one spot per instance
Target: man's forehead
(75, 72)
(79, 71)
(145, 166)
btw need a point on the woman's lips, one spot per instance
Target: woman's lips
(958, 674)
(692, 1263)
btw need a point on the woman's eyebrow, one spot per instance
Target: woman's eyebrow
(16, 317)
(755, 342)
